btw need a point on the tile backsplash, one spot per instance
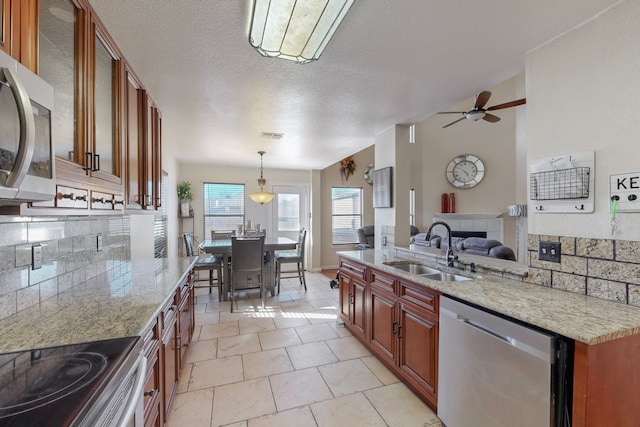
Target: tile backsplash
(69, 255)
(602, 268)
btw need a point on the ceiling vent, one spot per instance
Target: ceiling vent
(271, 135)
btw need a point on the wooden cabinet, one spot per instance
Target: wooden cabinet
(399, 324)
(152, 400)
(170, 353)
(186, 319)
(106, 127)
(352, 296)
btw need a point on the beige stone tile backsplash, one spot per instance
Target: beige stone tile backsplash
(69, 251)
(602, 268)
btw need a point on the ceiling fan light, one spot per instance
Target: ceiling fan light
(297, 31)
(475, 115)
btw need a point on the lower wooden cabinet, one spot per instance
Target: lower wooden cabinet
(399, 325)
(166, 344)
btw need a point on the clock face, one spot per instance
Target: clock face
(465, 171)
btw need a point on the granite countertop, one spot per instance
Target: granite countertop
(112, 305)
(580, 317)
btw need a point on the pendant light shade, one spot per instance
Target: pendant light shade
(294, 29)
(262, 196)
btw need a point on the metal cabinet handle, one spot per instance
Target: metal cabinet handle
(393, 328)
(150, 393)
(179, 339)
(399, 331)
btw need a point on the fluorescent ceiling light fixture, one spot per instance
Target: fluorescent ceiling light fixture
(262, 196)
(412, 134)
(297, 30)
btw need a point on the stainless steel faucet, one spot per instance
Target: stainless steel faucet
(449, 256)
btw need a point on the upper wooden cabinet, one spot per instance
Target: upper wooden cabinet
(106, 128)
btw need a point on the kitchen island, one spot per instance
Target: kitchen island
(606, 334)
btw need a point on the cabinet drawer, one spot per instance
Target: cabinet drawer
(353, 269)
(419, 295)
(383, 281)
(168, 317)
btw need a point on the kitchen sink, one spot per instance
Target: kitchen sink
(413, 268)
(445, 277)
(427, 272)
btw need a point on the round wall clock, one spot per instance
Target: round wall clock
(465, 171)
(368, 173)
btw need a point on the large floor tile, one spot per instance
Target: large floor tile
(385, 376)
(348, 377)
(400, 407)
(288, 320)
(202, 350)
(207, 318)
(348, 348)
(311, 354)
(298, 417)
(351, 410)
(255, 325)
(299, 388)
(242, 401)
(227, 329)
(191, 409)
(240, 344)
(265, 363)
(279, 338)
(210, 373)
(313, 333)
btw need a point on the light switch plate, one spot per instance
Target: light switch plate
(549, 251)
(99, 242)
(36, 257)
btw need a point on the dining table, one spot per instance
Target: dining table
(222, 247)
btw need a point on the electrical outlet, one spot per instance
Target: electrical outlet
(384, 240)
(549, 251)
(36, 257)
(99, 244)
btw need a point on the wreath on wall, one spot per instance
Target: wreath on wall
(347, 167)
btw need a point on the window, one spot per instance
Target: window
(288, 212)
(223, 207)
(412, 207)
(346, 214)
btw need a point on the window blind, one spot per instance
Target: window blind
(346, 214)
(223, 207)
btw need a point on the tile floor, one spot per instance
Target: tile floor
(288, 364)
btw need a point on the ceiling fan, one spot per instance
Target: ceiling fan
(479, 112)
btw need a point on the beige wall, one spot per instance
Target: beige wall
(330, 177)
(583, 92)
(494, 143)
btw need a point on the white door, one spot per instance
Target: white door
(290, 211)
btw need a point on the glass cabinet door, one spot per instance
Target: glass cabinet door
(59, 58)
(105, 153)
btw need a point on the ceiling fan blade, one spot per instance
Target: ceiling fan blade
(508, 104)
(452, 112)
(453, 122)
(482, 99)
(491, 118)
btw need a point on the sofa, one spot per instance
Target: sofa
(366, 235)
(468, 245)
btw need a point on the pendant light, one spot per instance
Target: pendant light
(262, 196)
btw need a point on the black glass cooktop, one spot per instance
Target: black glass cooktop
(56, 386)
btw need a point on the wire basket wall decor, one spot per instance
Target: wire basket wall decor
(560, 184)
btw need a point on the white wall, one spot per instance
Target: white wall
(385, 155)
(583, 94)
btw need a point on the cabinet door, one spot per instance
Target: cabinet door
(62, 54)
(104, 153)
(358, 306)
(185, 326)
(171, 367)
(152, 157)
(134, 140)
(345, 297)
(383, 323)
(418, 338)
(5, 32)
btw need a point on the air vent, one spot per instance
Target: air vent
(271, 135)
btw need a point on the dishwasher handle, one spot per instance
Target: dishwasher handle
(504, 338)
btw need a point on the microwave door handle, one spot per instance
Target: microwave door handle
(27, 131)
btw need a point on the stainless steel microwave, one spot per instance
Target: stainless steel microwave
(27, 163)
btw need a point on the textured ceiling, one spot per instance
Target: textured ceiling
(389, 62)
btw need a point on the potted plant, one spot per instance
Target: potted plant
(185, 196)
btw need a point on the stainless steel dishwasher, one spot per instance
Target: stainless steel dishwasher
(496, 372)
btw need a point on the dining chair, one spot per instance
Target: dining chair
(210, 263)
(292, 257)
(247, 266)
